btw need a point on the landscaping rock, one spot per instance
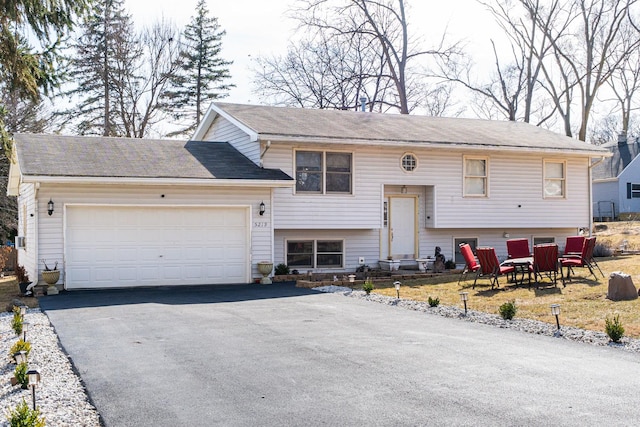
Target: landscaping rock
(621, 287)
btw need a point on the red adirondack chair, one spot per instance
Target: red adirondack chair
(545, 261)
(470, 263)
(585, 259)
(490, 266)
(518, 248)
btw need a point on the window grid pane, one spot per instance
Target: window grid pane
(338, 173)
(554, 183)
(329, 253)
(300, 253)
(475, 180)
(409, 162)
(309, 171)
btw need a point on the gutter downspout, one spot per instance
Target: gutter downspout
(591, 193)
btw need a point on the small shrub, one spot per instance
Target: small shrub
(602, 250)
(20, 345)
(282, 270)
(23, 416)
(434, 302)
(614, 328)
(21, 375)
(21, 275)
(508, 310)
(367, 286)
(16, 322)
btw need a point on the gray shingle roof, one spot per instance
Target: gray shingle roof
(271, 122)
(613, 166)
(83, 156)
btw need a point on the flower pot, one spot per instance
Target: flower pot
(265, 268)
(51, 276)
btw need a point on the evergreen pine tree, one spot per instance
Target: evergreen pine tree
(202, 74)
(102, 68)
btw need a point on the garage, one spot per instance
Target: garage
(121, 246)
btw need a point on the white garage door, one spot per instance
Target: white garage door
(119, 246)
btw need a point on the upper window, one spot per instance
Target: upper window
(409, 162)
(323, 172)
(476, 176)
(554, 179)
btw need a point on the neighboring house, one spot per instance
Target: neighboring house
(365, 187)
(616, 181)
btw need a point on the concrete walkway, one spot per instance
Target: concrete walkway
(277, 355)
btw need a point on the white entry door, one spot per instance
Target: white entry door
(120, 246)
(402, 227)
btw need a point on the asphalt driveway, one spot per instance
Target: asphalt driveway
(277, 355)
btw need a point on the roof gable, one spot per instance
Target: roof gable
(621, 156)
(75, 156)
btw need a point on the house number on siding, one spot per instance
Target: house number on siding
(260, 224)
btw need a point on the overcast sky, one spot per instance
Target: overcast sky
(261, 27)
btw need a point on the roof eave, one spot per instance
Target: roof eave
(198, 182)
(428, 144)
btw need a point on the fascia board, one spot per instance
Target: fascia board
(159, 181)
(274, 138)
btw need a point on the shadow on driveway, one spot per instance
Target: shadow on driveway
(171, 295)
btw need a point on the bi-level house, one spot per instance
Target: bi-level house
(616, 181)
(318, 190)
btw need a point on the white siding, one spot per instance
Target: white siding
(27, 223)
(358, 243)
(515, 192)
(223, 130)
(51, 240)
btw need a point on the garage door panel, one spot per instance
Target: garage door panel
(147, 246)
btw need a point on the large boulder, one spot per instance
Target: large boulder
(621, 287)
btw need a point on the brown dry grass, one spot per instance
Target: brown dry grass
(583, 301)
(9, 291)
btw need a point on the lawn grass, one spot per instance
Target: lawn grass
(9, 291)
(582, 302)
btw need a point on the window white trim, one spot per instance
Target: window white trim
(551, 184)
(323, 171)
(315, 253)
(468, 176)
(409, 162)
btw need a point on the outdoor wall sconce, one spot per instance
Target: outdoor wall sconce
(34, 379)
(403, 190)
(20, 357)
(464, 296)
(25, 328)
(397, 285)
(555, 310)
(262, 208)
(50, 207)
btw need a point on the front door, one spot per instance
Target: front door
(401, 236)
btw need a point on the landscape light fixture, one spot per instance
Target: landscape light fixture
(34, 379)
(50, 207)
(20, 357)
(23, 310)
(555, 310)
(352, 278)
(262, 208)
(25, 328)
(464, 296)
(397, 285)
